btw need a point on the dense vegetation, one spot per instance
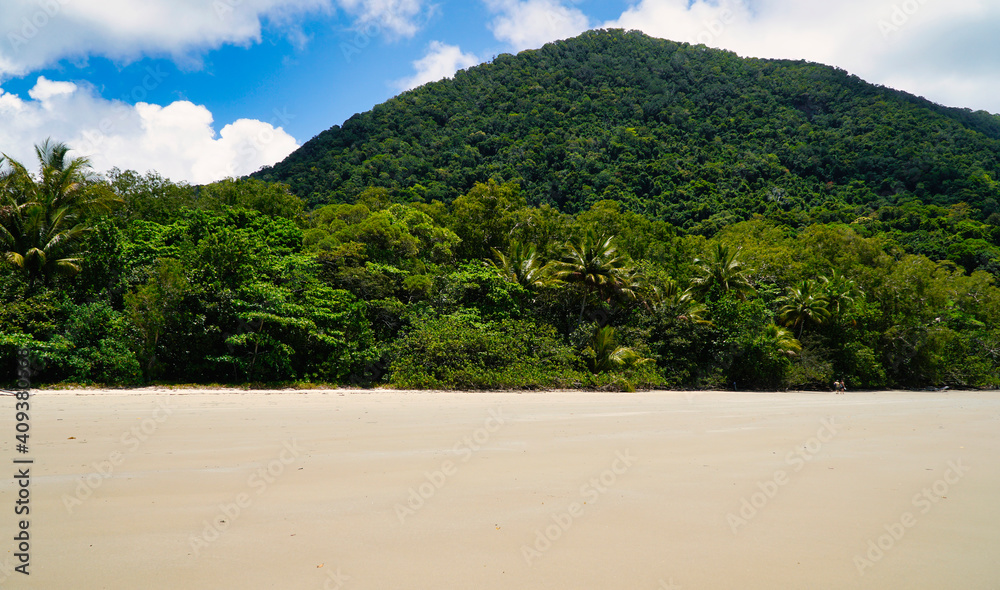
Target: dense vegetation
(697, 137)
(612, 212)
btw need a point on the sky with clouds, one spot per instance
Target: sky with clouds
(200, 90)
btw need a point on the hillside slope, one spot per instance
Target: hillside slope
(694, 136)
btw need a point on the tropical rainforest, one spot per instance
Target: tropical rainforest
(612, 211)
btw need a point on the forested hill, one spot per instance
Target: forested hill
(697, 137)
(427, 255)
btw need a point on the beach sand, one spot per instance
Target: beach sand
(159, 489)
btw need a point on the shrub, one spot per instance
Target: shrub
(460, 352)
(95, 348)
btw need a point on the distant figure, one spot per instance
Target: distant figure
(734, 386)
(843, 385)
(837, 386)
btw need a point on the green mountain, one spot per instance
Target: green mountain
(697, 137)
(719, 222)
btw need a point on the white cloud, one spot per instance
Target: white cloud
(176, 140)
(913, 45)
(529, 24)
(440, 61)
(45, 89)
(398, 17)
(699, 22)
(39, 33)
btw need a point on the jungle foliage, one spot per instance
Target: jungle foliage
(612, 211)
(697, 137)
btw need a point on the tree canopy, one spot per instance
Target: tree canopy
(693, 136)
(612, 211)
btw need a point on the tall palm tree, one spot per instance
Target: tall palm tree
(723, 271)
(522, 265)
(803, 303)
(839, 292)
(44, 218)
(594, 263)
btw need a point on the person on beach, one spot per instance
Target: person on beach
(843, 385)
(837, 386)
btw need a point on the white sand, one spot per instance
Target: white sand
(333, 513)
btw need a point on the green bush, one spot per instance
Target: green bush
(460, 352)
(94, 347)
(863, 368)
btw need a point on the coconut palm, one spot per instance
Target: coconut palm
(839, 292)
(803, 303)
(723, 271)
(609, 356)
(669, 295)
(43, 219)
(522, 265)
(781, 339)
(595, 265)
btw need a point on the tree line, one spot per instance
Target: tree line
(129, 279)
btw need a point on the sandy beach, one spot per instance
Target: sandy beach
(168, 489)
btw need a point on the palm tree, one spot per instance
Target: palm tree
(721, 270)
(802, 303)
(781, 339)
(594, 263)
(43, 219)
(609, 356)
(839, 292)
(523, 266)
(670, 295)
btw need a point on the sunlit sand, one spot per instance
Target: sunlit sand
(194, 489)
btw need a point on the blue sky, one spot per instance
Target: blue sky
(203, 89)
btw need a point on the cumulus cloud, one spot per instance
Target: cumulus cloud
(914, 45)
(39, 33)
(440, 61)
(397, 17)
(176, 140)
(528, 24)
(45, 89)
